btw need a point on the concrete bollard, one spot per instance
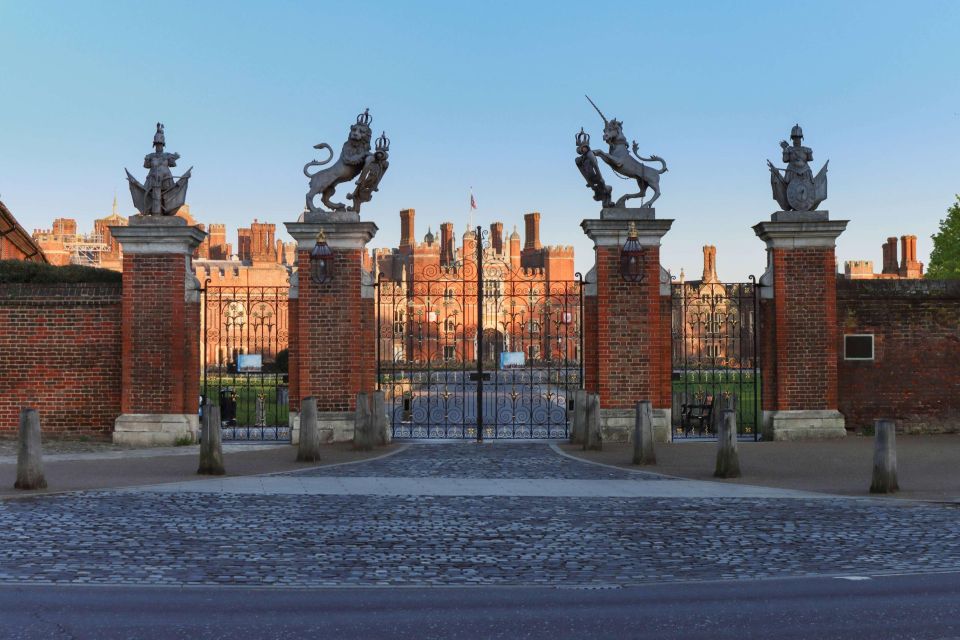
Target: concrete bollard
(643, 452)
(884, 457)
(211, 447)
(364, 438)
(309, 448)
(381, 426)
(728, 459)
(29, 453)
(577, 431)
(593, 438)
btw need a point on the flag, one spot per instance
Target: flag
(473, 201)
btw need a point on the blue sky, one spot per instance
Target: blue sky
(490, 95)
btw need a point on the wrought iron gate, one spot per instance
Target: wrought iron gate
(244, 357)
(479, 348)
(715, 357)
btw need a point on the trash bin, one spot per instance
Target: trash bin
(228, 407)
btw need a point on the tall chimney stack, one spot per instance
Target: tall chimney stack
(496, 237)
(890, 257)
(407, 237)
(532, 240)
(446, 244)
(709, 263)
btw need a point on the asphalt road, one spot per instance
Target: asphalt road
(878, 607)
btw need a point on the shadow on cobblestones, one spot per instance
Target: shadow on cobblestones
(498, 460)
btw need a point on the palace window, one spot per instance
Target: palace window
(449, 352)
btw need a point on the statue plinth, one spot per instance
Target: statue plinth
(625, 213)
(821, 215)
(331, 216)
(140, 219)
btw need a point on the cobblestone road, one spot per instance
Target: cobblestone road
(207, 539)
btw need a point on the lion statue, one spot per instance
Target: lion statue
(353, 156)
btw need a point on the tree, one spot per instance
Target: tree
(945, 257)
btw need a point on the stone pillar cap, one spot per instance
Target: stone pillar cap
(157, 234)
(613, 232)
(800, 235)
(340, 235)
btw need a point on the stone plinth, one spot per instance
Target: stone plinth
(332, 325)
(160, 313)
(627, 325)
(798, 356)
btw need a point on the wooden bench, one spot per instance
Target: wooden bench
(701, 414)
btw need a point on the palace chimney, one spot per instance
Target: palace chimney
(496, 237)
(532, 221)
(890, 265)
(909, 267)
(446, 244)
(407, 237)
(709, 263)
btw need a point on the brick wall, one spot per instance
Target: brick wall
(60, 346)
(335, 342)
(632, 349)
(915, 375)
(160, 346)
(590, 364)
(805, 338)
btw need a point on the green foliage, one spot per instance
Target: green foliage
(945, 257)
(183, 441)
(18, 271)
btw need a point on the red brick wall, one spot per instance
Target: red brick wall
(768, 354)
(60, 346)
(293, 362)
(160, 346)
(633, 360)
(590, 365)
(666, 353)
(806, 344)
(915, 375)
(336, 348)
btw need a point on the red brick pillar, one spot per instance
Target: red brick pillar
(160, 370)
(334, 349)
(799, 326)
(627, 346)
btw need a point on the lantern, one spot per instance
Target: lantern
(631, 257)
(321, 261)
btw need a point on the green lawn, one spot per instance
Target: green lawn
(247, 389)
(694, 386)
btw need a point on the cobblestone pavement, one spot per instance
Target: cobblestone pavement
(501, 460)
(307, 541)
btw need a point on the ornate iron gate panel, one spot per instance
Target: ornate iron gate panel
(479, 348)
(244, 359)
(715, 357)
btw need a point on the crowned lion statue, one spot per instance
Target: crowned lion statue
(354, 155)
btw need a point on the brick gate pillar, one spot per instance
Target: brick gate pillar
(798, 326)
(160, 314)
(627, 341)
(333, 340)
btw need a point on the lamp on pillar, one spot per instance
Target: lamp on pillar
(631, 263)
(321, 261)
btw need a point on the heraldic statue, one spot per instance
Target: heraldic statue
(355, 159)
(160, 195)
(619, 159)
(797, 189)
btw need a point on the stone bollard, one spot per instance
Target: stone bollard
(309, 448)
(577, 430)
(381, 425)
(593, 438)
(211, 447)
(643, 434)
(728, 460)
(364, 437)
(884, 457)
(29, 454)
